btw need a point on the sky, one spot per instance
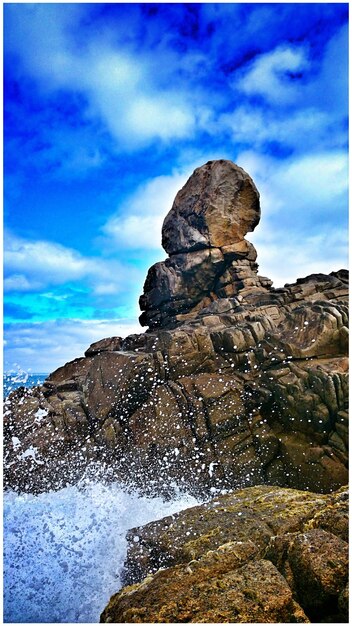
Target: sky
(109, 108)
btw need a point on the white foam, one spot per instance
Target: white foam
(63, 551)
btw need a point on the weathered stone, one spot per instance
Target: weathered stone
(111, 344)
(255, 513)
(217, 206)
(248, 556)
(319, 562)
(208, 592)
(74, 370)
(204, 234)
(334, 516)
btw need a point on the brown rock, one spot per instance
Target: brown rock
(334, 516)
(214, 591)
(204, 236)
(319, 562)
(111, 344)
(255, 514)
(242, 557)
(217, 206)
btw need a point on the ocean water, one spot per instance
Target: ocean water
(63, 551)
(20, 378)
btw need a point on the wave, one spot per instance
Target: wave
(21, 378)
(64, 551)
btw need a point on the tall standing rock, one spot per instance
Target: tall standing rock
(218, 206)
(204, 236)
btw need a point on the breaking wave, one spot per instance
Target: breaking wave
(64, 550)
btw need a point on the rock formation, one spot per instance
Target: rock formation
(204, 236)
(263, 555)
(234, 384)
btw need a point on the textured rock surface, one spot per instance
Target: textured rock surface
(204, 236)
(235, 383)
(217, 206)
(255, 555)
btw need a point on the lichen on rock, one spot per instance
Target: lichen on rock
(248, 556)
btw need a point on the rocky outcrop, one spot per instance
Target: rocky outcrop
(218, 205)
(204, 236)
(235, 383)
(262, 554)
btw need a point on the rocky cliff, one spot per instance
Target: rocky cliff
(263, 555)
(235, 383)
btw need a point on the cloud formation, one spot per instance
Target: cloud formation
(274, 75)
(300, 198)
(45, 346)
(155, 90)
(110, 107)
(138, 222)
(32, 265)
(45, 281)
(118, 87)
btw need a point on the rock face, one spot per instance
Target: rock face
(262, 554)
(234, 384)
(217, 206)
(204, 236)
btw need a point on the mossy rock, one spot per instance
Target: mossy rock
(208, 593)
(261, 554)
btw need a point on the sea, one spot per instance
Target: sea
(64, 550)
(20, 378)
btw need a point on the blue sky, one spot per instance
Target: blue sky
(108, 110)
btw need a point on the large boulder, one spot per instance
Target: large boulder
(255, 555)
(204, 235)
(213, 590)
(218, 206)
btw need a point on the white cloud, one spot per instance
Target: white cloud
(317, 178)
(306, 185)
(140, 103)
(19, 282)
(321, 85)
(37, 265)
(139, 221)
(45, 346)
(284, 260)
(304, 209)
(160, 116)
(268, 74)
(256, 127)
(136, 231)
(134, 109)
(105, 289)
(120, 88)
(45, 260)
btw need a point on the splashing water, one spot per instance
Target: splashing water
(21, 378)
(64, 551)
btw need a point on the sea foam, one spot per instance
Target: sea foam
(64, 550)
